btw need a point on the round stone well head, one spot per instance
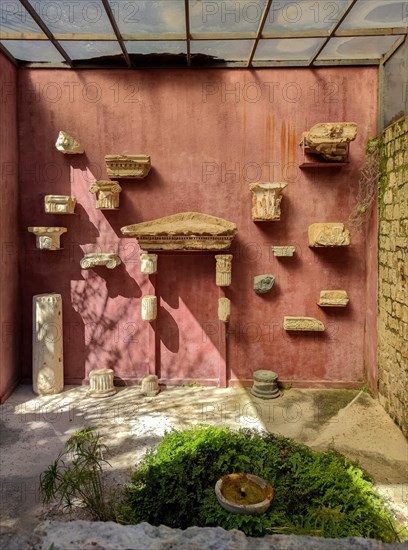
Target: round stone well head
(244, 494)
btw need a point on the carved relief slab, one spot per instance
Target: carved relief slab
(107, 194)
(333, 298)
(328, 234)
(184, 231)
(59, 204)
(68, 145)
(224, 309)
(266, 199)
(282, 251)
(330, 140)
(128, 166)
(93, 259)
(48, 238)
(263, 283)
(302, 323)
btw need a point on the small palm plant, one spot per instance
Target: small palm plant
(75, 479)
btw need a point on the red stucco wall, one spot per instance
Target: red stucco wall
(9, 307)
(210, 134)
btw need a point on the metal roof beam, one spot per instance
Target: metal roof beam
(118, 34)
(188, 34)
(259, 33)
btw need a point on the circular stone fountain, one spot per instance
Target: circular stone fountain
(244, 494)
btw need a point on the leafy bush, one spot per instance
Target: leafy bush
(78, 482)
(315, 493)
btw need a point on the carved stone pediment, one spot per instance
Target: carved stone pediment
(302, 323)
(68, 145)
(183, 231)
(328, 234)
(59, 204)
(330, 140)
(128, 166)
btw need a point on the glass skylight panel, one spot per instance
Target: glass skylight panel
(156, 47)
(228, 50)
(73, 17)
(33, 50)
(227, 16)
(79, 49)
(370, 14)
(304, 15)
(361, 47)
(14, 18)
(287, 49)
(149, 16)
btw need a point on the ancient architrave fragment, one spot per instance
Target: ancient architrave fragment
(223, 269)
(93, 259)
(183, 231)
(302, 323)
(101, 383)
(150, 385)
(224, 309)
(263, 283)
(48, 365)
(265, 384)
(107, 194)
(48, 238)
(266, 200)
(148, 263)
(149, 308)
(282, 251)
(333, 298)
(68, 145)
(330, 140)
(128, 166)
(59, 204)
(328, 234)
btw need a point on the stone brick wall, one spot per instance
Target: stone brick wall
(393, 274)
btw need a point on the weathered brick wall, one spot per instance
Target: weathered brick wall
(393, 274)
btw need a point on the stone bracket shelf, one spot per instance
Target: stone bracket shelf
(107, 259)
(304, 165)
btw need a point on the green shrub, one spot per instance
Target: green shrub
(315, 493)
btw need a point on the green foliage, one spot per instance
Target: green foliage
(74, 479)
(315, 493)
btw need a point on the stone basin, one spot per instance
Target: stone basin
(244, 494)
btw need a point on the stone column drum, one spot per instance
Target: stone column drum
(150, 385)
(223, 269)
(265, 384)
(101, 383)
(48, 366)
(149, 308)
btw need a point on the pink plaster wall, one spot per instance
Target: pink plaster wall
(210, 134)
(9, 304)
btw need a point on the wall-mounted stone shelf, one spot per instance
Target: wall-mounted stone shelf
(101, 383)
(59, 204)
(68, 145)
(263, 283)
(48, 238)
(223, 269)
(283, 251)
(107, 194)
(149, 308)
(224, 309)
(93, 259)
(48, 361)
(328, 234)
(184, 231)
(302, 323)
(128, 166)
(333, 298)
(330, 140)
(148, 263)
(266, 199)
